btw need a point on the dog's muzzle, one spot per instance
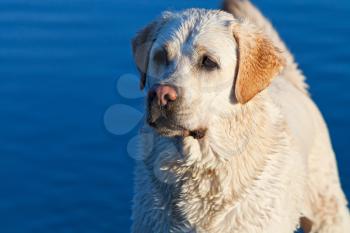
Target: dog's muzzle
(163, 103)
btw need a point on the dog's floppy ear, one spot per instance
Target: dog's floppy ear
(142, 44)
(258, 61)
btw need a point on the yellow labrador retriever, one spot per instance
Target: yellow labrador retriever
(233, 141)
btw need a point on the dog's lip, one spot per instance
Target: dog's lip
(154, 124)
(196, 133)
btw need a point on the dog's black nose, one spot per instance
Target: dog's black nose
(164, 94)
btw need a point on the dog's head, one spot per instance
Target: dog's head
(200, 64)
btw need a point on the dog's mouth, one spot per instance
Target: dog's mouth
(168, 120)
(169, 128)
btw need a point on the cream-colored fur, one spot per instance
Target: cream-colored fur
(262, 164)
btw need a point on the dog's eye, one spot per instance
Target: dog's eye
(209, 64)
(161, 57)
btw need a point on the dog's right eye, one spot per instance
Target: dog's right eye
(209, 64)
(161, 57)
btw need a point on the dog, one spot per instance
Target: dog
(232, 141)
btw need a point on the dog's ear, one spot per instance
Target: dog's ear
(258, 61)
(142, 44)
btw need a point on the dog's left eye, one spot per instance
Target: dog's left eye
(161, 57)
(209, 64)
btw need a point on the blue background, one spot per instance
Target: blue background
(60, 170)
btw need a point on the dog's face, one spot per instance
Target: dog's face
(198, 65)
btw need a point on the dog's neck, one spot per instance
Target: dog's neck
(205, 179)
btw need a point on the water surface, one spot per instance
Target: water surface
(60, 170)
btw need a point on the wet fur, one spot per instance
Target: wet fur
(265, 162)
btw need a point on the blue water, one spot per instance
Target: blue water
(60, 170)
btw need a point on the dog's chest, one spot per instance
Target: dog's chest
(201, 196)
(195, 201)
(207, 202)
(199, 188)
(211, 196)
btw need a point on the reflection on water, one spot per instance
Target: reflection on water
(60, 170)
